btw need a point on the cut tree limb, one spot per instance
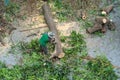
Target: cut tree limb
(108, 9)
(52, 26)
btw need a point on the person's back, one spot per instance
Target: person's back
(44, 39)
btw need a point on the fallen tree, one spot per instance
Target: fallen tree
(49, 20)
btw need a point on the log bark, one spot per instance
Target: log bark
(52, 26)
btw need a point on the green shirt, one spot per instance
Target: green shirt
(44, 39)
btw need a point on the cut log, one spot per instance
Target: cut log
(108, 9)
(52, 26)
(101, 20)
(104, 28)
(95, 28)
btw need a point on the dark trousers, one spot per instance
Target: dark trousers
(44, 49)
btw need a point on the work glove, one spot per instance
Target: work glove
(53, 41)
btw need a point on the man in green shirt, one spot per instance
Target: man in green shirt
(45, 38)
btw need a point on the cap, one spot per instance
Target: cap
(51, 34)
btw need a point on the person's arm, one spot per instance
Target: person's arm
(53, 41)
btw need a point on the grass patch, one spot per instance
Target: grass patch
(102, 68)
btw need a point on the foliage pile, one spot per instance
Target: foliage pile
(76, 43)
(102, 68)
(63, 11)
(72, 67)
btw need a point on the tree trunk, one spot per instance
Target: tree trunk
(48, 18)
